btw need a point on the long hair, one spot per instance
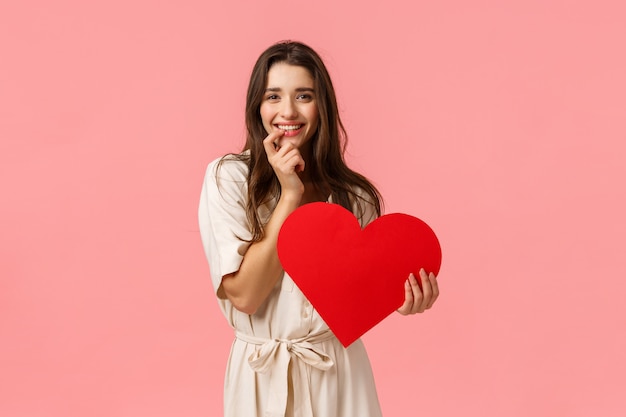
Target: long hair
(327, 166)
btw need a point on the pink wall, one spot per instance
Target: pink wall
(501, 124)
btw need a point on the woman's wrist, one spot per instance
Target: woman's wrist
(291, 197)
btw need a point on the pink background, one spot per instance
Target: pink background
(501, 124)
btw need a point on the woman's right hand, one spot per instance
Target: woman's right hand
(287, 162)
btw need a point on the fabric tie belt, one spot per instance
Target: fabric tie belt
(274, 355)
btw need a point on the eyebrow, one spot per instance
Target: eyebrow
(278, 89)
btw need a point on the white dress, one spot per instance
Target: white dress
(284, 360)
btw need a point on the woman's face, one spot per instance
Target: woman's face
(289, 104)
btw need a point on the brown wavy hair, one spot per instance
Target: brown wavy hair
(327, 167)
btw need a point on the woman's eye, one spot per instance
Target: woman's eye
(305, 97)
(272, 97)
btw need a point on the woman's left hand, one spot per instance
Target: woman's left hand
(418, 300)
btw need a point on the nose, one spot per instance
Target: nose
(288, 109)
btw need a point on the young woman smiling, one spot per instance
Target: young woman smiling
(284, 360)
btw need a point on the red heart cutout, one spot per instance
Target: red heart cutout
(354, 278)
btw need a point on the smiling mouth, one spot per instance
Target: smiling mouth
(289, 128)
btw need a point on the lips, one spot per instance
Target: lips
(290, 129)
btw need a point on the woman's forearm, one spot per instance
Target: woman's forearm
(260, 269)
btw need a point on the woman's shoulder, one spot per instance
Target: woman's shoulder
(229, 167)
(365, 206)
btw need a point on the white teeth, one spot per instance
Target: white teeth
(289, 127)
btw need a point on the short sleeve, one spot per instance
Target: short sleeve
(224, 227)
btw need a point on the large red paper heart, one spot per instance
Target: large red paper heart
(354, 278)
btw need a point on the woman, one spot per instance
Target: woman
(284, 360)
